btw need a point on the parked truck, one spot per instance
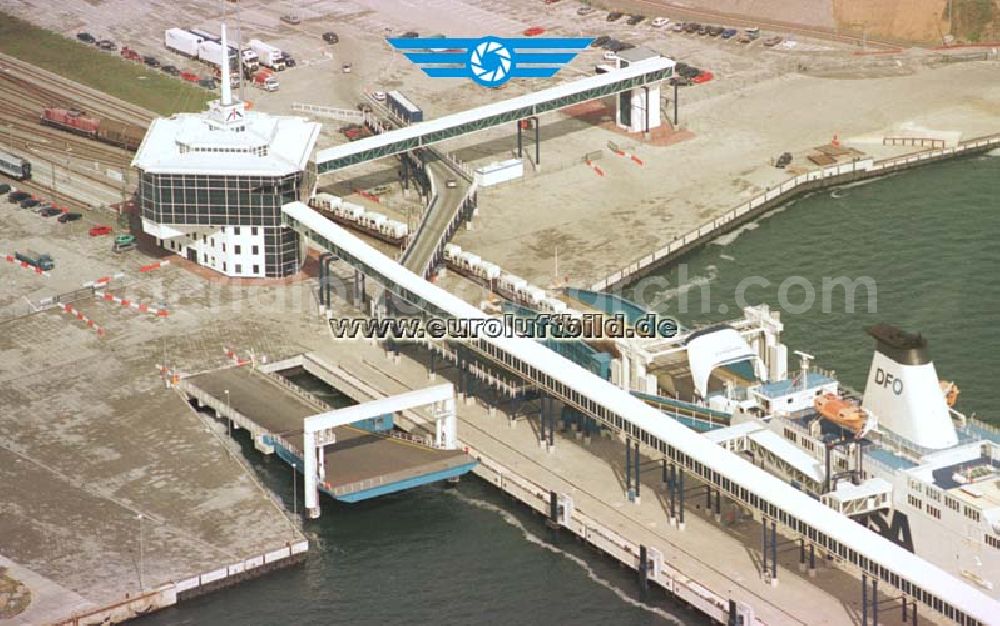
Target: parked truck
(251, 62)
(265, 80)
(211, 52)
(182, 42)
(269, 56)
(34, 259)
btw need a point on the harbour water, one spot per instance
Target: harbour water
(469, 555)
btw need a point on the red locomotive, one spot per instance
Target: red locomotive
(122, 134)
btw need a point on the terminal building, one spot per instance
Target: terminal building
(211, 186)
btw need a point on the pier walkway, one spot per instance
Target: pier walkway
(360, 465)
(707, 556)
(801, 518)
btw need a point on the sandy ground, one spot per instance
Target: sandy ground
(90, 437)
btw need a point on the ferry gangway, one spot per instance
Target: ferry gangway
(638, 74)
(771, 498)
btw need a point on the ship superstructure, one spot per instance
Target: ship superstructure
(898, 458)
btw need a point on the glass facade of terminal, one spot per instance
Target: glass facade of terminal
(214, 200)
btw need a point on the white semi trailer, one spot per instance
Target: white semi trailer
(182, 42)
(269, 56)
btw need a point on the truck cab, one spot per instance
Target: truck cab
(41, 261)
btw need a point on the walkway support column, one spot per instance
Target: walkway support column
(310, 472)
(519, 140)
(446, 425)
(628, 469)
(637, 472)
(538, 143)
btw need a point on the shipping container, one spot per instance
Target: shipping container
(403, 108)
(182, 42)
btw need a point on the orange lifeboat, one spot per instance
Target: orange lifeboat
(950, 391)
(842, 412)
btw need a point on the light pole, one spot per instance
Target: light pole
(229, 421)
(139, 517)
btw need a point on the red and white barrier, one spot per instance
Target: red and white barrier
(596, 169)
(633, 158)
(104, 280)
(154, 266)
(24, 265)
(235, 358)
(69, 310)
(138, 306)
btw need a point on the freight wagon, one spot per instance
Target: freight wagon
(14, 166)
(403, 108)
(355, 216)
(121, 134)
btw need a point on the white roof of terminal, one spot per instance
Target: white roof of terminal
(842, 529)
(288, 140)
(478, 113)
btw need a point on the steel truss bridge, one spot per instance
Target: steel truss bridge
(636, 75)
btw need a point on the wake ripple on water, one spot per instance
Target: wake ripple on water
(591, 574)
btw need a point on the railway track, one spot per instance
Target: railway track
(66, 90)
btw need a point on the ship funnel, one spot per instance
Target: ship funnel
(903, 389)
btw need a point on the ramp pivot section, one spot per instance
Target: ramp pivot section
(635, 75)
(616, 409)
(319, 430)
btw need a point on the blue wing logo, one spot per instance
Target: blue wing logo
(490, 61)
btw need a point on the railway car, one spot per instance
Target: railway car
(121, 134)
(14, 166)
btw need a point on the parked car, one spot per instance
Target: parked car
(291, 19)
(107, 44)
(28, 203)
(49, 212)
(703, 30)
(17, 196)
(678, 27)
(680, 81)
(659, 22)
(715, 31)
(624, 45)
(330, 37)
(99, 230)
(585, 11)
(410, 34)
(451, 183)
(610, 56)
(69, 217)
(634, 20)
(86, 37)
(379, 96)
(289, 61)
(4, 187)
(691, 27)
(599, 42)
(170, 69)
(534, 31)
(151, 61)
(347, 68)
(207, 83)
(364, 107)
(771, 42)
(614, 16)
(729, 33)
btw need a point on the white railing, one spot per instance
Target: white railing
(319, 110)
(867, 166)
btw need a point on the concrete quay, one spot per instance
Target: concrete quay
(832, 176)
(705, 565)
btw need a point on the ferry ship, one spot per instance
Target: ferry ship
(898, 458)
